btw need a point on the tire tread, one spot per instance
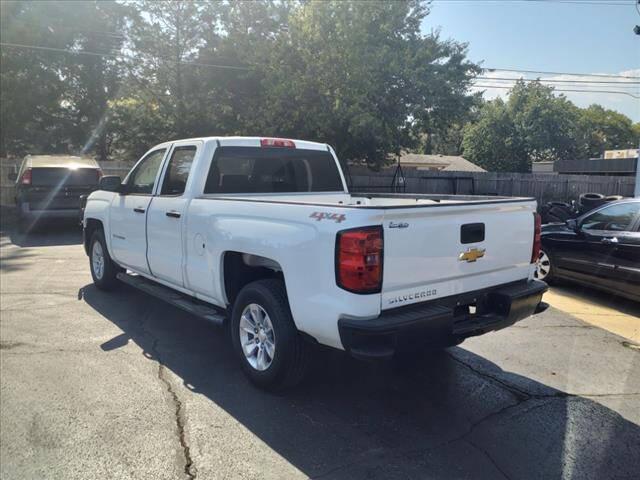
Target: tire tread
(296, 366)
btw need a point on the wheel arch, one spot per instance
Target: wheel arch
(90, 227)
(241, 268)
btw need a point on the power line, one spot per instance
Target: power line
(599, 75)
(118, 56)
(120, 36)
(244, 68)
(565, 90)
(553, 80)
(51, 27)
(620, 3)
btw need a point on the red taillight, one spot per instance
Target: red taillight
(26, 177)
(99, 173)
(277, 142)
(359, 259)
(537, 240)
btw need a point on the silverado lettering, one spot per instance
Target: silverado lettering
(413, 296)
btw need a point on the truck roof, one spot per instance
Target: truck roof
(60, 161)
(237, 141)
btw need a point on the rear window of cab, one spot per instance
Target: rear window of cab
(267, 170)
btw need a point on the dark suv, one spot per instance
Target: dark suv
(50, 186)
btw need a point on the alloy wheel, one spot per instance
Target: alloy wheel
(257, 337)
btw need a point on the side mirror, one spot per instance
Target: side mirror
(13, 176)
(110, 183)
(572, 223)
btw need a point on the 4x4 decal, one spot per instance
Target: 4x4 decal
(336, 217)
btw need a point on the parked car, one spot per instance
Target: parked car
(50, 186)
(600, 249)
(559, 212)
(262, 234)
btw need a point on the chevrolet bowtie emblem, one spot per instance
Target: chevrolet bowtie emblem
(471, 255)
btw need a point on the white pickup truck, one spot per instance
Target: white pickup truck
(263, 236)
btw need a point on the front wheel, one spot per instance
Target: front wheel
(544, 269)
(103, 269)
(270, 349)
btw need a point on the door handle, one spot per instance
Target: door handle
(139, 210)
(610, 241)
(173, 214)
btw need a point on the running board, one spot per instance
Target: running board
(177, 299)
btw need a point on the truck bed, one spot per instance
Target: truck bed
(370, 200)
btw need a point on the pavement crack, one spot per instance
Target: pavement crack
(519, 394)
(489, 457)
(189, 467)
(524, 396)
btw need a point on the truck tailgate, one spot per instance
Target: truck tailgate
(434, 252)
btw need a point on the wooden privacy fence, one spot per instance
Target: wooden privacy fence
(543, 187)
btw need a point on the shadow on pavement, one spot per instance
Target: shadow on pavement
(455, 415)
(44, 233)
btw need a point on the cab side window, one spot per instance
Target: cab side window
(617, 218)
(143, 178)
(175, 179)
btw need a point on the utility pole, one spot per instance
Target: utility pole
(636, 192)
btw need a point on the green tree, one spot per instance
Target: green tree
(54, 96)
(362, 77)
(603, 129)
(30, 88)
(547, 125)
(358, 75)
(492, 142)
(166, 38)
(532, 125)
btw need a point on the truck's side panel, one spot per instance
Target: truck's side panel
(304, 248)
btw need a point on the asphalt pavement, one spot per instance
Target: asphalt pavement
(120, 385)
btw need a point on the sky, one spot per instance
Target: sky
(575, 36)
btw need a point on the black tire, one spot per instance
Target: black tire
(589, 201)
(107, 281)
(292, 353)
(591, 196)
(563, 213)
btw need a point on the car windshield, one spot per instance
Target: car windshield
(42, 177)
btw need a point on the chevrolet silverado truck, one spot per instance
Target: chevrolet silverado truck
(262, 235)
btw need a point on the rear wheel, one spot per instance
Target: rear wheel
(103, 269)
(544, 269)
(271, 351)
